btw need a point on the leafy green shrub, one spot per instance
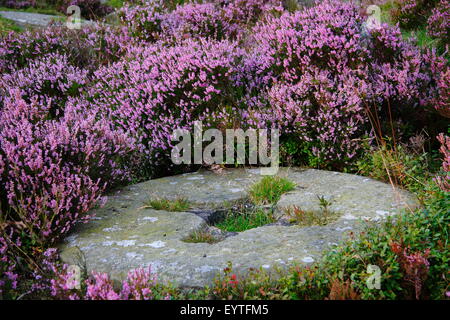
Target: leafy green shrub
(424, 233)
(257, 284)
(270, 189)
(400, 166)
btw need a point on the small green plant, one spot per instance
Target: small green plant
(241, 221)
(306, 218)
(179, 204)
(7, 25)
(270, 189)
(324, 203)
(201, 236)
(257, 284)
(398, 166)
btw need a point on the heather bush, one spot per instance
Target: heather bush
(90, 9)
(443, 180)
(438, 24)
(52, 172)
(156, 89)
(87, 48)
(412, 13)
(51, 80)
(153, 21)
(320, 73)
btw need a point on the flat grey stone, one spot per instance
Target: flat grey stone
(28, 18)
(125, 236)
(35, 19)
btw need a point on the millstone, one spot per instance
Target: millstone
(124, 235)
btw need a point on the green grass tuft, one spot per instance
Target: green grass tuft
(201, 236)
(270, 189)
(241, 221)
(179, 204)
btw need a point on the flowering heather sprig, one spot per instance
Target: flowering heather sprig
(444, 181)
(439, 22)
(138, 285)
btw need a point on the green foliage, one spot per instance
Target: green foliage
(417, 231)
(257, 284)
(7, 25)
(179, 204)
(411, 14)
(115, 3)
(241, 221)
(400, 166)
(270, 189)
(343, 273)
(306, 218)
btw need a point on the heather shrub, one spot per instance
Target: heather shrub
(51, 173)
(412, 13)
(144, 21)
(156, 89)
(56, 280)
(87, 48)
(443, 180)
(397, 165)
(153, 21)
(321, 75)
(51, 80)
(90, 9)
(438, 24)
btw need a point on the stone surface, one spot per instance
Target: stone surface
(124, 236)
(26, 19)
